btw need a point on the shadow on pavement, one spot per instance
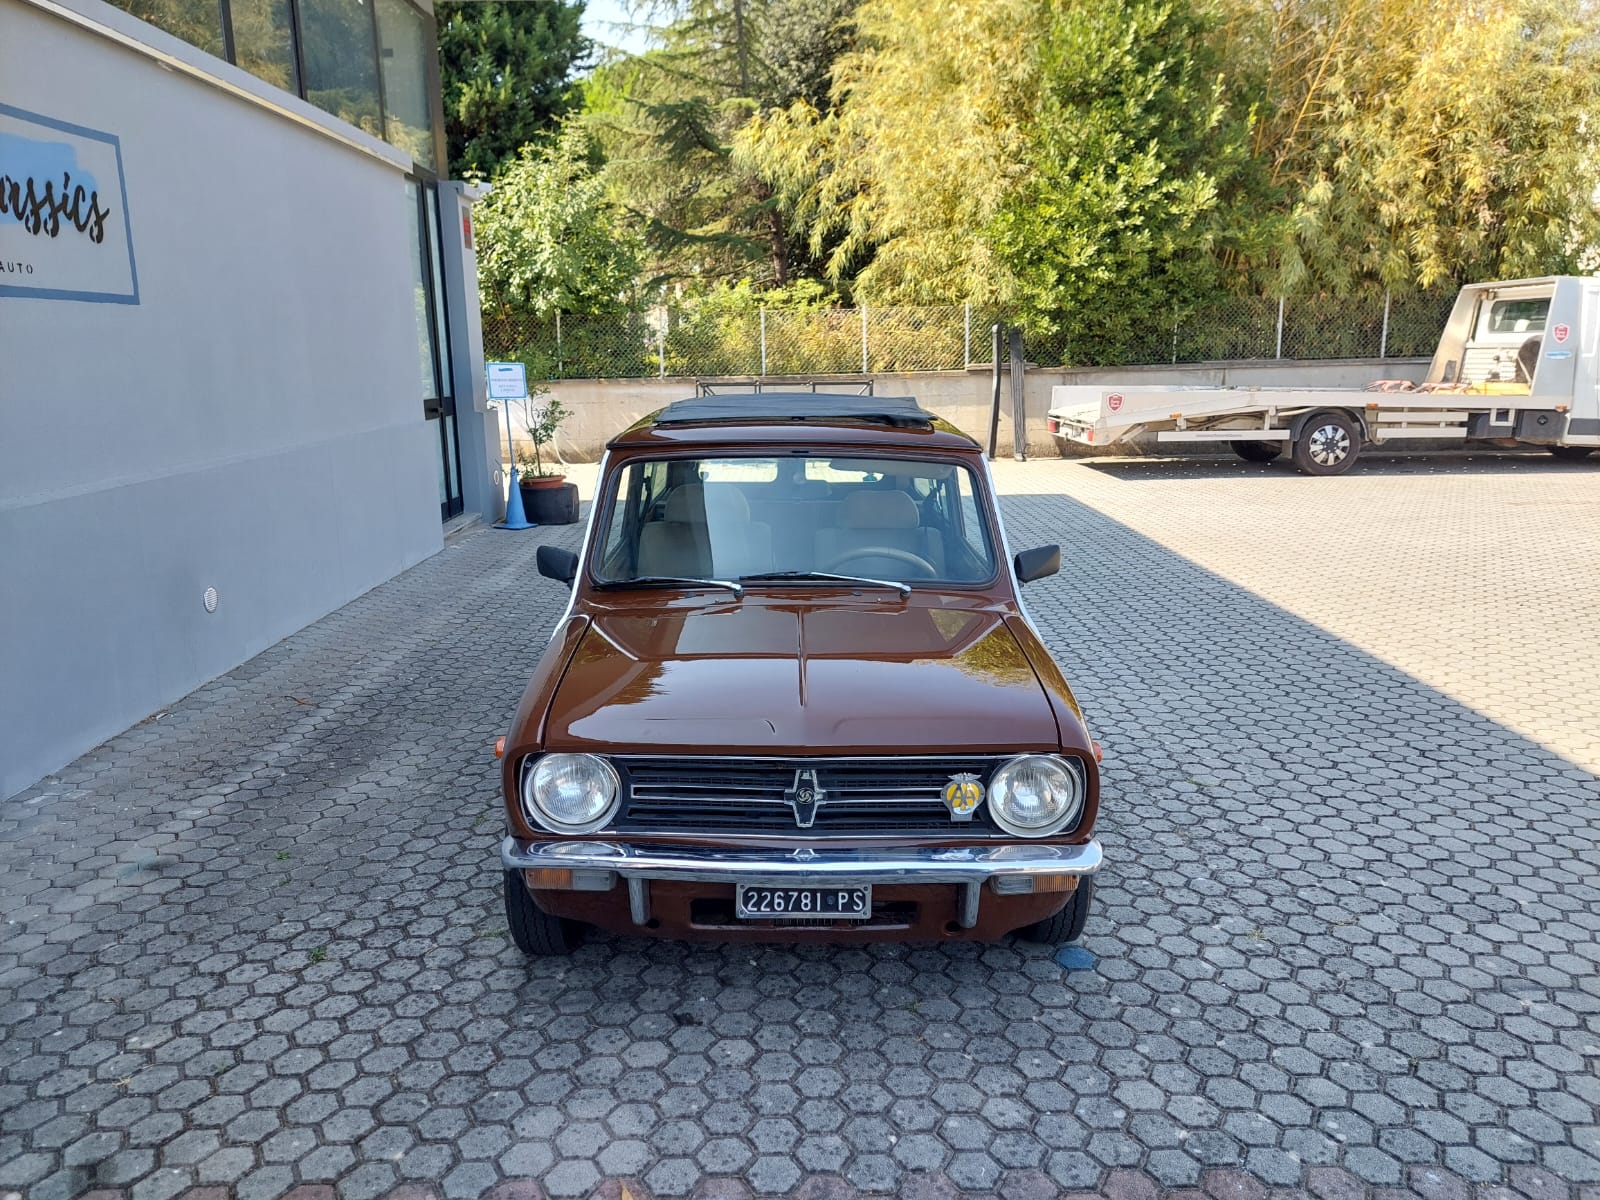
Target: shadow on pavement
(1346, 939)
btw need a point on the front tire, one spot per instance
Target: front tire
(535, 932)
(1329, 444)
(1571, 453)
(1066, 925)
(1257, 452)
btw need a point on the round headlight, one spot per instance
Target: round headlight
(1035, 795)
(570, 793)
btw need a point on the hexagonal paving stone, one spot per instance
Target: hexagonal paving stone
(1344, 940)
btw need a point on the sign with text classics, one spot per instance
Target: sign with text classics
(65, 231)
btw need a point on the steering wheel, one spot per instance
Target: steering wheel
(905, 556)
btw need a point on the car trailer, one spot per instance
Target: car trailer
(1516, 365)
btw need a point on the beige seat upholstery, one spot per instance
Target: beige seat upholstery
(705, 532)
(872, 518)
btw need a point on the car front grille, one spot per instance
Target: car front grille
(861, 796)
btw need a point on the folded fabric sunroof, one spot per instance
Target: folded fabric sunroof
(797, 406)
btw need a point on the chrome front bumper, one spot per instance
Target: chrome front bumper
(596, 866)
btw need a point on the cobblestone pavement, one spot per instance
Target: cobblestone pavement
(1345, 939)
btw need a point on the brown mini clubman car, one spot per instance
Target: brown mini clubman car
(795, 695)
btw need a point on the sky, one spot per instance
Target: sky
(607, 21)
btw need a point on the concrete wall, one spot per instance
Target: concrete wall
(602, 407)
(254, 424)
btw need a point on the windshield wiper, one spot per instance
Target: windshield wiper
(686, 581)
(772, 576)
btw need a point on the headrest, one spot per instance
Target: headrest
(879, 510)
(696, 504)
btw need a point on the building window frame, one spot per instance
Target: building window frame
(430, 54)
(434, 287)
(377, 66)
(441, 404)
(226, 11)
(296, 46)
(433, 81)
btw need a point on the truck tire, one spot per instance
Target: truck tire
(1066, 925)
(1257, 451)
(535, 932)
(1328, 444)
(1571, 453)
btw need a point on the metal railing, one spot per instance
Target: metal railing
(708, 342)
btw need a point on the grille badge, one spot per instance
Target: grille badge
(962, 796)
(805, 796)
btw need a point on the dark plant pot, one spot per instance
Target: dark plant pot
(550, 503)
(543, 481)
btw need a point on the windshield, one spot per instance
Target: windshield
(893, 519)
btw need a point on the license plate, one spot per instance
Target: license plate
(841, 903)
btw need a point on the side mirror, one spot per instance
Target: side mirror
(558, 564)
(1030, 564)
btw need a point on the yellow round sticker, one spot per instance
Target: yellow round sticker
(963, 794)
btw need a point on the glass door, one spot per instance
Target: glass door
(433, 340)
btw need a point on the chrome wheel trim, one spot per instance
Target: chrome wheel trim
(1329, 444)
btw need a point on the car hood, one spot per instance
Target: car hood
(762, 676)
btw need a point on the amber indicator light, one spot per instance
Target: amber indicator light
(1054, 883)
(549, 877)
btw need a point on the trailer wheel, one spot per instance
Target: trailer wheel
(1571, 453)
(1257, 451)
(1329, 444)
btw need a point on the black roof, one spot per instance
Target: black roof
(796, 406)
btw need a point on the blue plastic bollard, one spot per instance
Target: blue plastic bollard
(515, 517)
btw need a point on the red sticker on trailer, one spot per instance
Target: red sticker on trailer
(1562, 332)
(1114, 400)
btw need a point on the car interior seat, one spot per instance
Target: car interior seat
(705, 531)
(870, 518)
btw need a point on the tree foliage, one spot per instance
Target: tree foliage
(1045, 151)
(1418, 141)
(1135, 172)
(667, 119)
(506, 73)
(898, 180)
(1096, 166)
(550, 240)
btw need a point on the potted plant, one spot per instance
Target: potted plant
(543, 422)
(547, 497)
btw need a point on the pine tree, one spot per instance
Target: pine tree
(668, 118)
(506, 68)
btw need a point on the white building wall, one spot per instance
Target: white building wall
(253, 424)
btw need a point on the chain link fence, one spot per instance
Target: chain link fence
(708, 342)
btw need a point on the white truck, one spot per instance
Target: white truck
(1516, 365)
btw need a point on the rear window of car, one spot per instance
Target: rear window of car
(1518, 316)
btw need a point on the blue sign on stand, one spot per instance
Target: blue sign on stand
(508, 381)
